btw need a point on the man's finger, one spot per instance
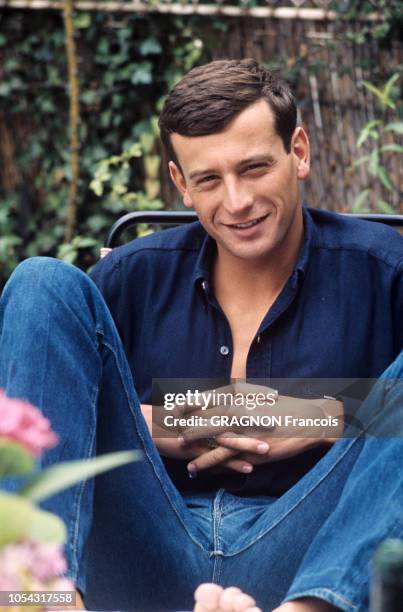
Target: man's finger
(243, 444)
(239, 465)
(210, 459)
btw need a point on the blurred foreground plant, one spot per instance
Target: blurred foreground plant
(31, 540)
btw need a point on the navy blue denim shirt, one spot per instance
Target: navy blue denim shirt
(339, 315)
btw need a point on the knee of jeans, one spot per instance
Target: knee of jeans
(37, 275)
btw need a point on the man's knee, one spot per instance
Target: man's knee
(38, 276)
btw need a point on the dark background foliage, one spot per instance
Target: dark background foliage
(127, 63)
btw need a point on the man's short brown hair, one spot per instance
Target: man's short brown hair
(209, 97)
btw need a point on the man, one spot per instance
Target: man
(259, 289)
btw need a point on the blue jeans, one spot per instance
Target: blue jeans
(136, 543)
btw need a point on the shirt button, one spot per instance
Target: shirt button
(224, 350)
(204, 285)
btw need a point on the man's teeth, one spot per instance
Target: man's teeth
(250, 224)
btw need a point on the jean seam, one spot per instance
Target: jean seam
(218, 508)
(109, 346)
(322, 592)
(295, 505)
(217, 517)
(81, 489)
(47, 343)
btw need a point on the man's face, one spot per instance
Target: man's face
(243, 185)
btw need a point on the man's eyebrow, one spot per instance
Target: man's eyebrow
(255, 159)
(268, 159)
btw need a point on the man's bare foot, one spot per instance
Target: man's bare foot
(213, 598)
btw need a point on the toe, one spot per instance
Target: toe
(242, 602)
(226, 602)
(207, 597)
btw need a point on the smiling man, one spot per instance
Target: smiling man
(260, 287)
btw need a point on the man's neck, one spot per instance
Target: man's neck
(245, 281)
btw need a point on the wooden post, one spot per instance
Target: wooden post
(74, 118)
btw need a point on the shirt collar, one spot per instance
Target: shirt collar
(208, 251)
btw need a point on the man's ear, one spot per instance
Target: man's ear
(301, 150)
(180, 183)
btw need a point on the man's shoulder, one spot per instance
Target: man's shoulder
(337, 232)
(150, 256)
(176, 241)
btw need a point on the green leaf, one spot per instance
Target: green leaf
(14, 459)
(83, 242)
(20, 519)
(97, 187)
(5, 89)
(147, 140)
(385, 178)
(64, 475)
(389, 85)
(82, 20)
(378, 93)
(142, 74)
(373, 163)
(97, 222)
(89, 96)
(360, 161)
(368, 131)
(150, 46)
(395, 126)
(393, 148)
(385, 207)
(359, 202)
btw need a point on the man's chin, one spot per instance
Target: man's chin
(249, 253)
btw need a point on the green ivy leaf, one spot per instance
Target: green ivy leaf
(5, 89)
(82, 20)
(84, 242)
(142, 74)
(150, 46)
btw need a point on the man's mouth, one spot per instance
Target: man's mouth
(249, 223)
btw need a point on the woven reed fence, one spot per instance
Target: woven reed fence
(334, 104)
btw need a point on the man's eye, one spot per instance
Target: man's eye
(207, 179)
(255, 167)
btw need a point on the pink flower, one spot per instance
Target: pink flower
(41, 562)
(25, 424)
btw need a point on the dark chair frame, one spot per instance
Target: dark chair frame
(166, 217)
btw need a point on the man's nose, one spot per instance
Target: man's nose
(237, 198)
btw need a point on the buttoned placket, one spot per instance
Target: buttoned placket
(259, 361)
(224, 344)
